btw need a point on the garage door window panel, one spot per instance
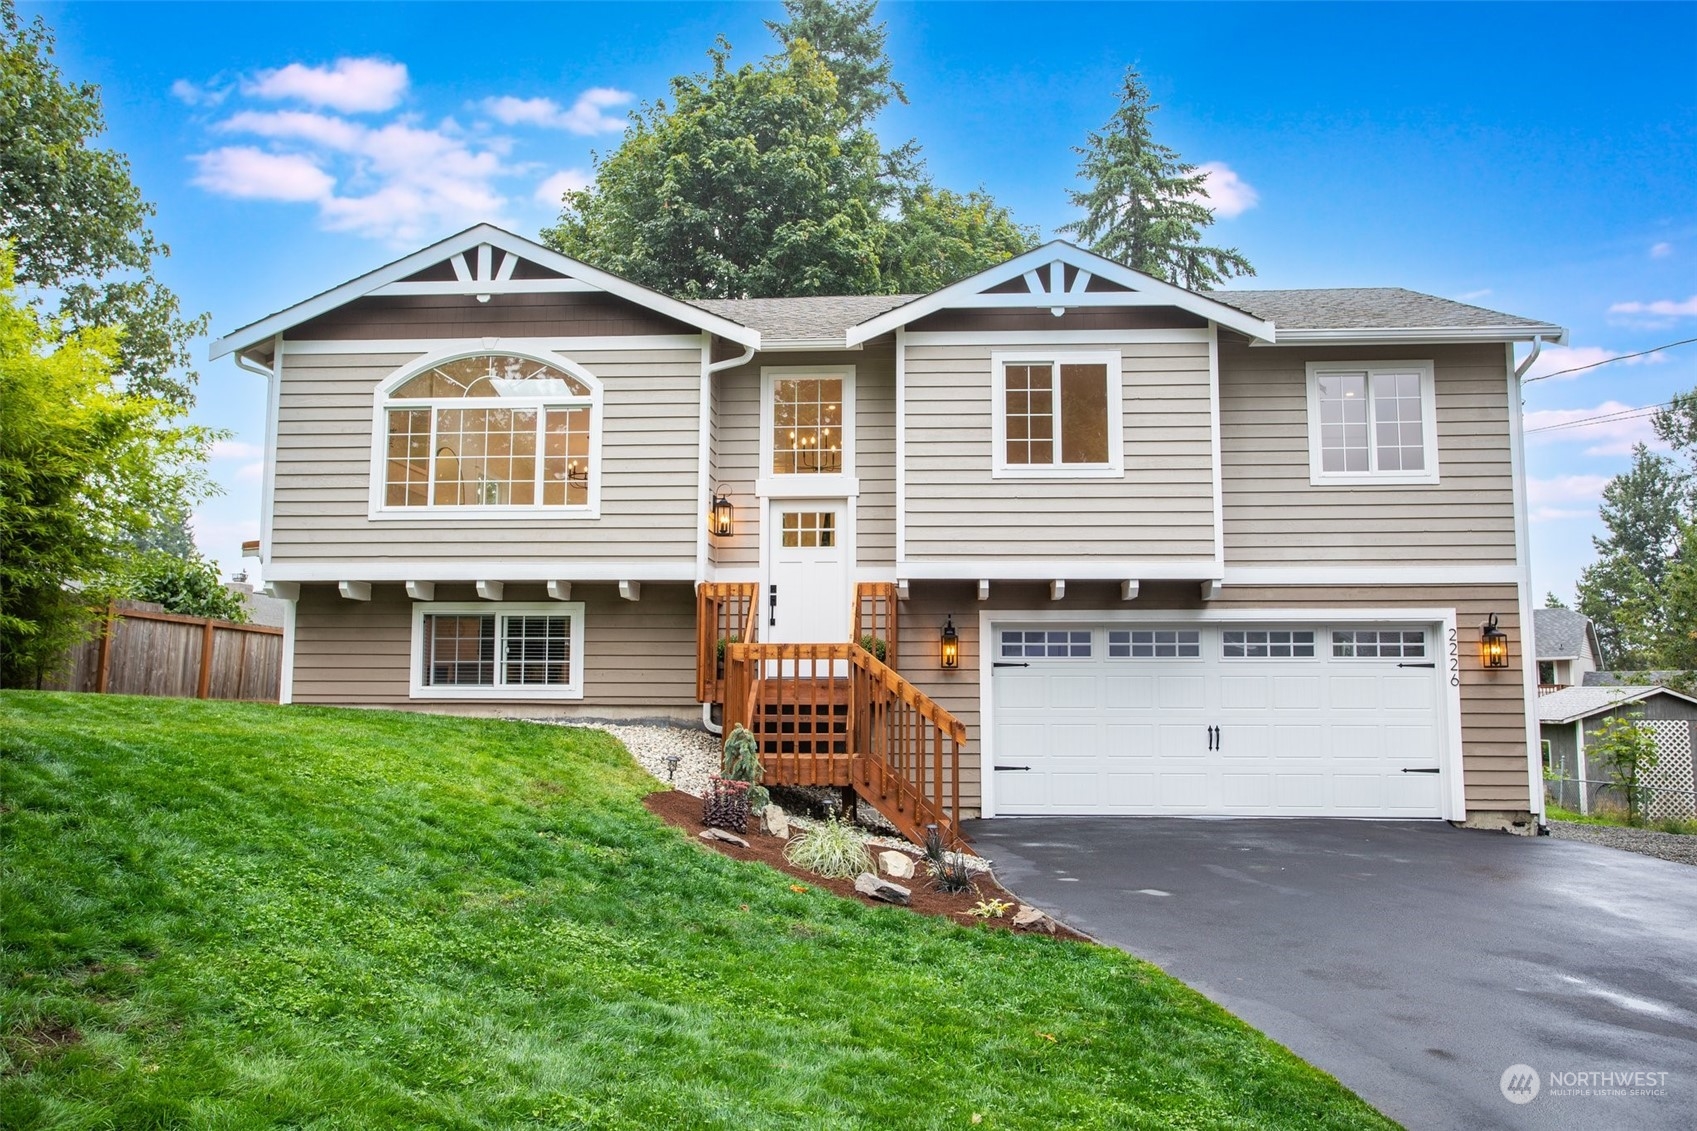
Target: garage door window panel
(1155, 644)
(1379, 644)
(1267, 644)
(1046, 644)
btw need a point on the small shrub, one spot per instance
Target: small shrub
(878, 646)
(933, 847)
(990, 908)
(742, 756)
(1627, 749)
(725, 805)
(952, 875)
(831, 849)
(758, 798)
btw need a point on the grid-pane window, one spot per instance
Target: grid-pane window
(810, 529)
(485, 431)
(537, 650)
(1398, 435)
(1154, 643)
(1046, 643)
(1266, 644)
(1055, 414)
(1343, 421)
(459, 651)
(1379, 644)
(807, 425)
(1372, 420)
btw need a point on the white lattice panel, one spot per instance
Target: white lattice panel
(1670, 782)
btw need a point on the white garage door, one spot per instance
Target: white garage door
(1247, 719)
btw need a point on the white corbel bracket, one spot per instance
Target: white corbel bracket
(983, 589)
(491, 590)
(421, 590)
(1210, 589)
(1128, 590)
(355, 590)
(560, 590)
(1057, 590)
(630, 590)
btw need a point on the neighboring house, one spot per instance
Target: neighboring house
(1568, 721)
(1567, 648)
(262, 608)
(1192, 553)
(1653, 677)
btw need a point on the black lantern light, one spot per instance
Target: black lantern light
(721, 517)
(950, 643)
(1493, 645)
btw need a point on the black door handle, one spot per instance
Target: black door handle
(1210, 738)
(772, 607)
(1008, 664)
(1013, 767)
(1417, 665)
(1421, 770)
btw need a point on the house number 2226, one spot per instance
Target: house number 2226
(1455, 662)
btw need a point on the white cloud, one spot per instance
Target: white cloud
(1228, 194)
(1565, 496)
(1661, 308)
(586, 116)
(252, 174)
(236, 449)
(187, 92)
(553, 188)
(1474, 296)
(297, 125)
(1556, 359)
(1604, 438)
(1661, 250)
(350, 85)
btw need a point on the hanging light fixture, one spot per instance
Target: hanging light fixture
(950, 643)
(721, 516)
(1493, 645)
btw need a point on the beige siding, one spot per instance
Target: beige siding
(736, 417)
(1161, 509)
(649, 510)
(1274, 516)
(1493, 722)
(639, 656)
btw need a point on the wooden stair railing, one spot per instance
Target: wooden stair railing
(836, 715)
(724, 611)
(874, 618)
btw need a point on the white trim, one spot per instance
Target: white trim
(1151, 290)
(573, 689)
(1450, 759)
(703, 458)
(1414, 335)
(1073, 569)
(805, 345)
(1054, 337)
(286, 682)
(1112, 361)
(1583, 771)
(486, 287)
(902, 340)
(273, 417)
(1523, 559)
(315, 346)
(850, 409)
(377, 504)
(807, 487)
(1427, 476)
(1214, 441)
(381, 569)
(1477, 574)
(487, 235)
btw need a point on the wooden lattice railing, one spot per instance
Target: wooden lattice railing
(874, 620)
(836, 715)
(724, 615)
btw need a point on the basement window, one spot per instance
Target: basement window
(519, 651)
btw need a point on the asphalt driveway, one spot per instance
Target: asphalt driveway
(1414, 961)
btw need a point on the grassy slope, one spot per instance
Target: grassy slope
(257, 916)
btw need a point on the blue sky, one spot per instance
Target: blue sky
(1538, 159)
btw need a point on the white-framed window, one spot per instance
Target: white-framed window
(1057, 414)
(1379, 643)
(487, 434)
(1267, 644)
(497, 650)
(1045, 643)
(1154, 643)
(807, 425)
(1372, 423)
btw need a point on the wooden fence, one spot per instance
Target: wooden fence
(142, 650)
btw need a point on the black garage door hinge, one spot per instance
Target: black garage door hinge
(1428, 665)
(1421, 770)
(1008, 664)
(1013, 767)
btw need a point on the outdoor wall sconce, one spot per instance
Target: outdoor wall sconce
(951, 643)
(721, 517)
(1493, 645)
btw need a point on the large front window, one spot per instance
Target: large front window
(1372, 423)
(490, 430)
(807, 425)
(1057, 415)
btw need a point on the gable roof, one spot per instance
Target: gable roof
(1571, 704)
(1391, 313)
(1044, 269)
(579, 276)
(1562, 634)
(793, 322)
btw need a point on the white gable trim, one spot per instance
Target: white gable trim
(1144, 291)
(481, 240)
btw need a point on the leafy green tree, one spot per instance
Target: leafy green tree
(84, 464)
(1551, 601)
(851, 45)
(1144, 205)
(168, 533)
(1644, 511)
(1626, 748)
(188, 586)
(942, 236)
(77, 223)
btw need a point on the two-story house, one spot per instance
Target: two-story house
(1066, 536)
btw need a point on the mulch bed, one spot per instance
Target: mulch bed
(684, 811)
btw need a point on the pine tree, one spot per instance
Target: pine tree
(1145, 206)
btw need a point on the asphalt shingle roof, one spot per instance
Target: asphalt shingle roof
(802, 319)
(1559, 634)
(1572, 703)
(1377, 308)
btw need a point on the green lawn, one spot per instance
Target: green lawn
(220, 915)
(1617, 818)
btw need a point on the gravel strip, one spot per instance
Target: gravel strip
(1678, 847)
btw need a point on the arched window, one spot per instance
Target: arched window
(490, 430)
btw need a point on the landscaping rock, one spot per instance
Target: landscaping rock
(1030, 919)
(868, 884)
(898, 865)
(775, 821)
(721, 834)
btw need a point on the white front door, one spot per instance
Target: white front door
(807, 590)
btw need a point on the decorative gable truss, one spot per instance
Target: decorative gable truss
(1061, 277)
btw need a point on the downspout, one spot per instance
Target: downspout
(1537, 348)
(1523, 538)
(268, 493)
(744, 358)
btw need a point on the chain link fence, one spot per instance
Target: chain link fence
(1656, 801)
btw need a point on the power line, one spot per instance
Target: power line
(1607, 361)
(1605, 418)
